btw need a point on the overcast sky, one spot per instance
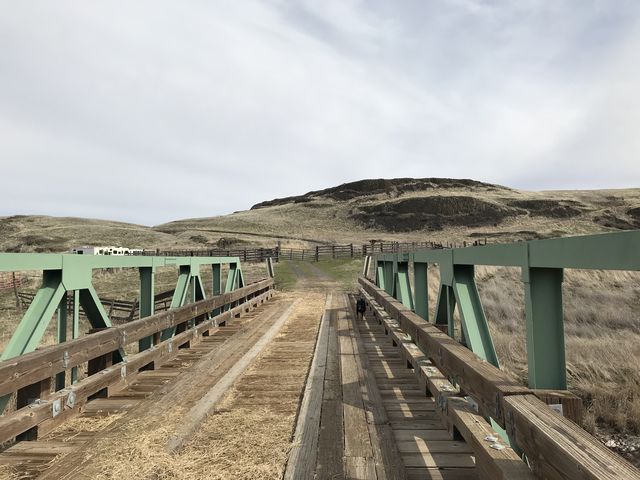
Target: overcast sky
(154, 110)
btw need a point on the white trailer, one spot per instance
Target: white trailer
(88, 250)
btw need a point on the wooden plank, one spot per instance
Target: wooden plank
(303, 454)
(359, 468)
(27, 369)
(387, 458)
(477, 377)
(492, 463)
(358, 452)
(186, 389)
(441, 474)
(329, 464)
(558, 448)
(21, 420)
(440, 460)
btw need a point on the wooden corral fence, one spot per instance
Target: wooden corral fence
(10, 281)
(244, 254)
(119, 311)
(317, 253)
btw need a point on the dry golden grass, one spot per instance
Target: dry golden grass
(328, 220)
(235, 441)
(602, 334)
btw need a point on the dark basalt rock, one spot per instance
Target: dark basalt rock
(549, 208)
(433, 213)
(392, 187)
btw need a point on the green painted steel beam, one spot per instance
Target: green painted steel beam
(179, 297)
(62, 337)
(606, 251)
(97, 316)
(75, 329)
(216, 271)
(545, 328)
(389, 277)
(93, 309)
(35, 321)
(444, 309)
(474, 322)
(14, 262)
(230, 283)
(380, 280)
(421, 289)
(403, 285)
(146, 301)
(37, 317)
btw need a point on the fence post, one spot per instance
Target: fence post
(351, 245)
(15, 289)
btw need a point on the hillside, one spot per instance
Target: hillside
(35, 233)
(402, 209)
(411, 209)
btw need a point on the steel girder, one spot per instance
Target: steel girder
(65, 274)
(542, 263)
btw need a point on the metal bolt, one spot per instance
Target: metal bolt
(56, 407)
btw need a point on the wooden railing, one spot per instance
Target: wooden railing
(317, 253)
(118, 311)
(29, 375)
(556, 447)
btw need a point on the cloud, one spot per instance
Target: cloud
(150, 111)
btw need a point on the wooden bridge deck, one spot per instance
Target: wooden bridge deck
(375, 421)
(348, 388)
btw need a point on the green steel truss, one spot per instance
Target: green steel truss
(542, 263)
(69, 274)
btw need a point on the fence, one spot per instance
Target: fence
(317, 253)
(119, 311)
(11, 281)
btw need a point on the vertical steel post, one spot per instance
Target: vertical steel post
(403, 285)
(75, 329)
(388, 277)
(545, 328)
(147, 301)
(380, 271)
(421, 289)
(217, 283)
(445, 308)
(62, 337)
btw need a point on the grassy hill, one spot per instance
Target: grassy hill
(34, 233)
(413, 209)
(403, 209)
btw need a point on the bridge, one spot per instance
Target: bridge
(238, 379)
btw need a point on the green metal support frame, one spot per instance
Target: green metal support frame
(402, 283)
(421, 289)
(542, 263)
(64, 273)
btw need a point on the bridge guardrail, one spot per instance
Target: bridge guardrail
(556, 447)
(31, 373)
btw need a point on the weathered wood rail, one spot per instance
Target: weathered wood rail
(29, 375)
(556, 448)
(119, 311)
(317, 253)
